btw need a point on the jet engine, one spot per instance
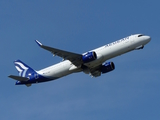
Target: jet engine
(89, 56)
(107, 67)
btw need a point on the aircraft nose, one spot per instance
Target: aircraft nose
(148, 39)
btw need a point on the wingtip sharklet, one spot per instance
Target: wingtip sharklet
(39, 43)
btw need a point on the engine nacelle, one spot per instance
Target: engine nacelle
(89, 56)
(107, 67)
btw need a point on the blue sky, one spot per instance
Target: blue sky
(131, 91)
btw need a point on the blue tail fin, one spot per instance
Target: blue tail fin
(24, 70)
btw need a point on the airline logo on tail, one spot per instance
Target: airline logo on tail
(27, 75)
(24, 70)
(21, 68)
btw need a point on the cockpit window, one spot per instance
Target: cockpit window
(140, 35)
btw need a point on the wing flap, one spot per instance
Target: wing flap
(75, 58)
(18, 78)
(95, 72)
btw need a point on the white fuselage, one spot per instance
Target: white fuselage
(104, 53)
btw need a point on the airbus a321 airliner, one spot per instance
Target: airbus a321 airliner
(91, 62)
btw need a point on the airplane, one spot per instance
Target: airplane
(92, 62)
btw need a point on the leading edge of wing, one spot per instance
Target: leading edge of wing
(75, 58)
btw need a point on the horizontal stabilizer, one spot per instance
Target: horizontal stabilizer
(18, 78)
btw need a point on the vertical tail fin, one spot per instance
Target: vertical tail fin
(23, 69)
(27, 75)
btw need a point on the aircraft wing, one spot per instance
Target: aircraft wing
(75, 58)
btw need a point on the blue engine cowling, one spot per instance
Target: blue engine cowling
(89, 56)
(107, 67)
